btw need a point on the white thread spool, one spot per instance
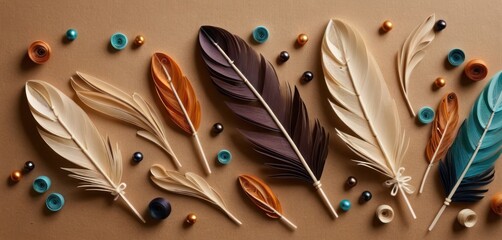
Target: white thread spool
(385, 213)
(467, 218)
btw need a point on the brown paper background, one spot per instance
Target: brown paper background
(172, 27)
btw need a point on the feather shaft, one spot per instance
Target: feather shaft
(317, 183)
(182, 106)
(457, 184)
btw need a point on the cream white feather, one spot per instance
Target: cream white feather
(67, 129)
(109, 100)
(365, 105)
(411, 54)
(189, 184)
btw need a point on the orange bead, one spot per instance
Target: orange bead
(440, 82)
(496, 203)
(139, 40)
(387, 26)
(302, 39)
(191, 218)
(16, 176)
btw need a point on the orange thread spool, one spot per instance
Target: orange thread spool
(476, 70)
(496, 203)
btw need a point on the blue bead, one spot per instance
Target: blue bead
(260, 34)
(137, 157)
(71, 34)
(366, 196)
(224, 156)
(54, 202)
(345, 205)
(41, 184)
(118, 41)
(426, 115)
(159, 208)
(456, 57)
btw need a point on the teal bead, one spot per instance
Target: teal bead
(260, 34)
(41, 184)
(456, 57)
(71, 34)
(118, 41)
(426, 115)
(345, 205)
(224, 156)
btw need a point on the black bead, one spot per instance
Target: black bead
(28, 166)
(159, 208)
(440, 25)
(284, 56)
(137, 157)
(307, 76)
(366, 196)
(218, 128)
(351, 181)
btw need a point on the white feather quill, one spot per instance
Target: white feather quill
(189, 184)
(364, 104)
(109, 100)
(411, 54)
(67, 129)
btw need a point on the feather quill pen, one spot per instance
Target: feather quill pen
(263, 197)
(443, 132)
(109, 100)
(189, 184)
(65, 127)
(469, 163)
(411, 54)
(178, 97)
(364, 104)
(239, 72)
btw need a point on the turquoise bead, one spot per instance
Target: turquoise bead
(54, 202)
(118, 41)
(41, 184)
(71, 34)
(260, 34)
(456, 57)
(426, 115)
(345, 205)
(224, 156)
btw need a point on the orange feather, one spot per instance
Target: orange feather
(261, 195)
(182, 87)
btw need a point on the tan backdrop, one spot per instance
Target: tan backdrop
(172, 27)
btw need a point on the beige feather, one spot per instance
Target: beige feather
(364, 104)
(411, 54)
(66, 128)
(189, 184)
(109, 100)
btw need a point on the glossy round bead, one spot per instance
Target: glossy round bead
(159, 208)
(345, 205)
(191, 218)
(71, 34)
(387, 26)
(496, 203)
(260, 34)
(118, 41)
(16, 176)
(440, 25)
(139, 40)
(439, 82)
(41, 184)
(137, 157)
(218, 128)
(456, 57)
(307, 76)
(54, 202)
(426, 115)
(224, 156)
(366, 196)
(284, 56)
(302, 39)
(351, 181)
(28, 166)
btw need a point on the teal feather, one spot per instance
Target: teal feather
(476, 148)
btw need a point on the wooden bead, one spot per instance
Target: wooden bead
(439, 82)
(191, 218)
(387, 26)
(302, 39)
(16, 176)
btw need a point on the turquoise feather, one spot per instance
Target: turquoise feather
(480, 136)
